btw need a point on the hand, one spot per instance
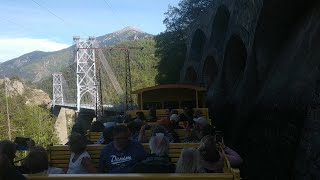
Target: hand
(222, 145)
(30, 143)
(143, 129)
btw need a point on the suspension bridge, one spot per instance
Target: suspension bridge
(86, 91)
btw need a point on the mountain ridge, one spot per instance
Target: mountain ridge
(37, 65)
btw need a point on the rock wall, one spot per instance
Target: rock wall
(260, 62)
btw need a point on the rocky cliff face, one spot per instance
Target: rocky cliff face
(33, 96)
(265, 95)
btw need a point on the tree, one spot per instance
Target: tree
(171, 44)
(26, 120)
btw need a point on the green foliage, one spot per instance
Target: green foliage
(170, 45)
(26, 120)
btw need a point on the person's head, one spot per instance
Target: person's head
(140, 115)
(200, 122)
(208, 149)
(174, 111)
(108, 134)
(159, 145)
(77, 128)
(188, 111)
(134, 127)
(8, 148)
(198, 114)
(97, 126)
(37, 160)
(77, 143)
(189, 161)
(121, 137)
(174, 118)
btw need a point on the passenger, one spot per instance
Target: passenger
(187, 117)
(80, 161)
(152, 114)
(106, 136)
(158, 161)
(134, 129)
(212, 160)
(165, 120)
(7, 155)
(189, 161)
(77, 128)
(139, 117)
(122, 154)
(174, 119)
(96, 126)
(201, 129)
(198, 114)
(171, 135)
(37, 162)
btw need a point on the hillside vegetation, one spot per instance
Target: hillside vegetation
(27, 118)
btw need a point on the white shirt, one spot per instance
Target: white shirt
(76, 167)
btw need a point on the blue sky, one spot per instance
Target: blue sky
(25, 26)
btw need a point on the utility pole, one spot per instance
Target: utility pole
(7, 104)
(128, 98)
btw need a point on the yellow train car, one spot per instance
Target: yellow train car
(174, 96)
(170, 96)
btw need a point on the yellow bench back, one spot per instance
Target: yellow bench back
(94, 136)
(212, 176)
(59, 155)
(161, 113)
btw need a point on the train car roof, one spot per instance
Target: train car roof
(170, 86)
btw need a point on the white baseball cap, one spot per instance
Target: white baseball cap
(174, 117)
(201, 120)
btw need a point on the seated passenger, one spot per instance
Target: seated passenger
(80, 161)
(158, 161)
(37, 162)
(165, 120)
(187, 117)
(139, 117)
(77, 128)
(106, 136)
(96, 126)
(174, 119)
(134, 129)
(121, 154)
(152, 114)
(171, 135)
(201, 129)
(212, 160)
(7, 155)
(189, 161)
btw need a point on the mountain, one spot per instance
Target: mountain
(37, 65)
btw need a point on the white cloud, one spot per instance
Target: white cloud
(14, 47)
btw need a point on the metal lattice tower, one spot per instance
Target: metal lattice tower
(87, 84)
(57, 89)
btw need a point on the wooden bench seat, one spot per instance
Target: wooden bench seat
(94, 136)
(59, 155)
(213, 176)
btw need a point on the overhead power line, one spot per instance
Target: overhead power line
(55, 15)
(114, 12)
(24, 27)
(48, 10)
